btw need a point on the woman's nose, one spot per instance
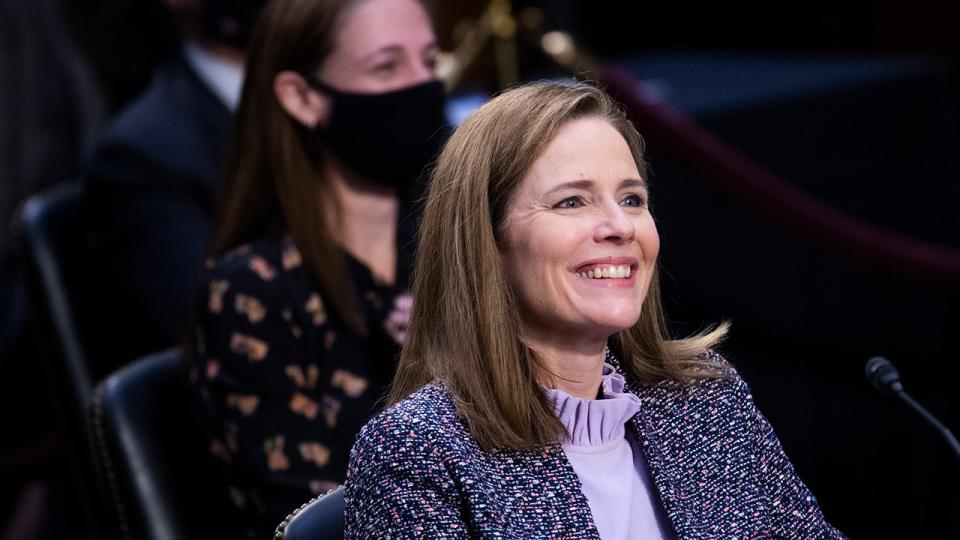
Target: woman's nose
(424, 72)
(615, 226)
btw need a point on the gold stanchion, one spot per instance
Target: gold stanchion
(498, 26)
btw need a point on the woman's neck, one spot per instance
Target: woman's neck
(365, 221)
(575, 367)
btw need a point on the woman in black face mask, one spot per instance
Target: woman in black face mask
(304, 301)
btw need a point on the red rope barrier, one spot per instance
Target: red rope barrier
(772, 196)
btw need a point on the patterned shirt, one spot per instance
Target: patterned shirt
(284, 385)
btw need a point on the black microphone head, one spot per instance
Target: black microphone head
(883, 376)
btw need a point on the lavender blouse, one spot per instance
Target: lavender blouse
(609, 463)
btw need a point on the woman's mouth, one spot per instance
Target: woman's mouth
(609, 271)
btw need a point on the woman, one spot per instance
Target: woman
(304, 301)
(537, 395)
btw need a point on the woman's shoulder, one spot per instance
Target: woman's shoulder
(716, 368)
(427, 417)
(257, 277)
(427, 411)
(264, 257)
(716, 382)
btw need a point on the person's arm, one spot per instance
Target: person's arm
(398, 486)
(795, 512)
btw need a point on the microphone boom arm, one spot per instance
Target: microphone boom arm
(938, 425)
(885, 378)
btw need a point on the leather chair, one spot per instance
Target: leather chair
(320, 519)
(50, 240)
(153, 466)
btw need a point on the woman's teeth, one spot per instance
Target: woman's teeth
(607, 272)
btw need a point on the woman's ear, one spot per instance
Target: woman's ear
(304, 104)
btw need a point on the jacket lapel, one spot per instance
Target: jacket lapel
(653, 426)
(569, 513)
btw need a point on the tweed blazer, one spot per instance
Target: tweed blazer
(718, 468)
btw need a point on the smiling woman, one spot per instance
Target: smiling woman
(538, 394)
(579, 254)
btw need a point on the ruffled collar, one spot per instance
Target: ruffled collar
(596, 422)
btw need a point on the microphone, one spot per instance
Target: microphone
(885, 378)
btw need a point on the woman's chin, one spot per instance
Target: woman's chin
(609, 325)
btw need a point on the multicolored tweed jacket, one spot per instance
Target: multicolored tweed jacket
(415, 472)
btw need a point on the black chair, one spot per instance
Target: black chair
(154, 469)
(51, 243)
(320, 519)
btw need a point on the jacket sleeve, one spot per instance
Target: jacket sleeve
(795, 513)
(398, 485)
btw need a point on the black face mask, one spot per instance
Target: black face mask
(388, 138)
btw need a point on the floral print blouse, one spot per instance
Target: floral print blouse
(284, 386)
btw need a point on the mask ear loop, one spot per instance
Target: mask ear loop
(318, 85)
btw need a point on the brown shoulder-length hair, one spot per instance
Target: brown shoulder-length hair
(466, 325)
(274, 170)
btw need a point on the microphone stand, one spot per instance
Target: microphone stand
(937, 424)
(885, 378)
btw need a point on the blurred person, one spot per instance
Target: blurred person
(49, 100)
(150, 184)
(51, 107)
(304, 302)
(538, 394)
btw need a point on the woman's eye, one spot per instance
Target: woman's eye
(570, 202)
(633, 200)
(385, 67)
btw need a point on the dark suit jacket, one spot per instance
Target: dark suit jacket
(719, 471)
(150, 186)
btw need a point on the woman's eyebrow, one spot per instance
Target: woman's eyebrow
(587, 183)
(386, 49)
(395, 49)
(573, 184)
(633, 183)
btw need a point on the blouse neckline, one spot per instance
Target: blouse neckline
(596, 423)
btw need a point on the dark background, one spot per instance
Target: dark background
(856, 103)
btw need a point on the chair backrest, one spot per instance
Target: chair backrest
(50, 232)
(50, 239)
(320, 519)
(153, 466)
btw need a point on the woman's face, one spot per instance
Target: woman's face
(382, 45)
(578, 243)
